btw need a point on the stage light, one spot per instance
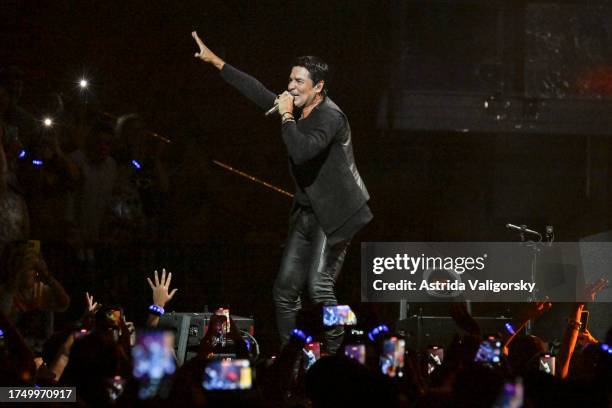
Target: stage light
(37, 163)
(48, 122)
(22, 154)
(83, 83)
(136, 164)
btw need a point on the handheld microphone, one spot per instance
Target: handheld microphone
(272, 110)
(522, 228)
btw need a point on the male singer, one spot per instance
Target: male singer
(330, 203)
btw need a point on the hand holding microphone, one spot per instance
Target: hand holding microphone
(285, 103)
(282, 104)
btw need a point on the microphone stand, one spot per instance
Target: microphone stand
(535, 246)
(532, 296)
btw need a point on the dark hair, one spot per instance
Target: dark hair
(316, 67)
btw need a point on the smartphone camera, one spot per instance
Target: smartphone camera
(115, 388)
(312, 352)
(356, 352)
(227, 375)
(153, 360)
(435, 358)
(79, 334)
(392, 357)
(584, 321)
(338, 315)
(489, 351)
(547, 364)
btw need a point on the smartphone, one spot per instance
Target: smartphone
(115, 387)
(227, 375)
(356, 352)
(392, 357)
(489, 351)
(547, 364)
(153, 360)
(312, 352)
(511, 396)
(79, 334)
(584, 319)
(226, 325)
(435, 357)
(338, 315)
(131, 328)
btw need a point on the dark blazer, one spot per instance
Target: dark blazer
(320, 159)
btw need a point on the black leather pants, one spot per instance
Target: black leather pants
(308, 265)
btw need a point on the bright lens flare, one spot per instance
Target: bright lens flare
(83, 83)
(48, 122)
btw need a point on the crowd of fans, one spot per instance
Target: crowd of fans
(79, 175)
(78, 180)
(113, 364)
(89, 179)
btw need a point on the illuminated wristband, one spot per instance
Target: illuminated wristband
(297, 333)
(373, 334)
(156, 310)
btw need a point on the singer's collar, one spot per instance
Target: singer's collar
(307, 110)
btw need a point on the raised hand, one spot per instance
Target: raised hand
(160, 288)
(92, 306)
(585, 337)
(205, 53)
(592, 289)
(534, 310)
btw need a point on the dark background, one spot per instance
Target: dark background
(427, 182)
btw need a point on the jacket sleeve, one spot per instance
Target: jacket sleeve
(303, 146)
(248, 86)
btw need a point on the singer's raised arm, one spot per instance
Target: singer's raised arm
(250, 87)
(244, 83)
(206, 54)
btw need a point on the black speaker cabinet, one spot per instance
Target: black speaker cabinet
(423, 331)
